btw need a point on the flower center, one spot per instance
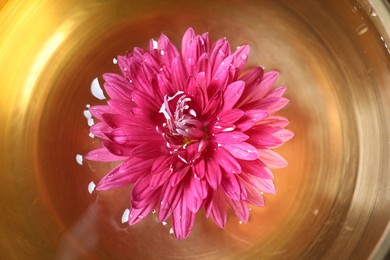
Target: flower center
(182, 126)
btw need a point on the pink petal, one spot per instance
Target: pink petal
(213, 174)
(254, 196)
(183, 220)
(134, 135)
(243, 151)
(125, 173)
(102, 155)
(218, 53)
(226, 161)
(240, 208)
(277, 92)
(178, 175)
(274, 121)
(148, 150)
(188, 37)
(117, 87)
(252, 78)
(269, 104)
(225, 121)
(195, 193)
(136, 165)
(121, 106)
(100, 130)
(119, 150)
(179, 74)
(144, 101)
(267, 83)
(232, 94)
(168, 200)
(264, 140)
(161, 171)
(257, 168)
(250, 118)
(213, 106)
(222, 76)
(233, 137)
(200, 168)
(272, 159)
(167, 50)
(284, 135)
(136, 215)
(216, 208)
(241, 57)
(142, 195)
(99, 111)
(233, 188)
(266, 185)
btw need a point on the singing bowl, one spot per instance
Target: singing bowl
(333, 199)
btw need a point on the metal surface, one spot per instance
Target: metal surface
(333, 201)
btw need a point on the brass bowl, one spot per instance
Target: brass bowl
(332, 201)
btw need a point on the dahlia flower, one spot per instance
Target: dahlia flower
(190, 129)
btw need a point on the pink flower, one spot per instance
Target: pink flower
(191, 130)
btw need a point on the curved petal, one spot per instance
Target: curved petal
(183, 220)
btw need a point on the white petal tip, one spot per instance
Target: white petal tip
(171, 231)
(91, 187)
(79, 159)
(125, 216)
(96, 90)
(164, 223)
(115, 61)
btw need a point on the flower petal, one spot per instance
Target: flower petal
(183, 220)
(138, 214)
(216, 207)
(233, 137)
(232, 94)
(226, 161)
(168, 200)
(147, 150)
(243, 151)
(284, 135)
(240, 208)
(103, 155)
(233, 188)
(256, 168)
(272, 159)
(213, 174)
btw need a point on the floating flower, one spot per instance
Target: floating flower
(191, 130)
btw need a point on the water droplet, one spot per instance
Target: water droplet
(164, 223)
(91, 122)
(79, 159)
(171, 231)
(125, 216)
(87, 114)
(91, 135)
(96, 90)
(115, 61)
(155, 44)
(91, 187)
